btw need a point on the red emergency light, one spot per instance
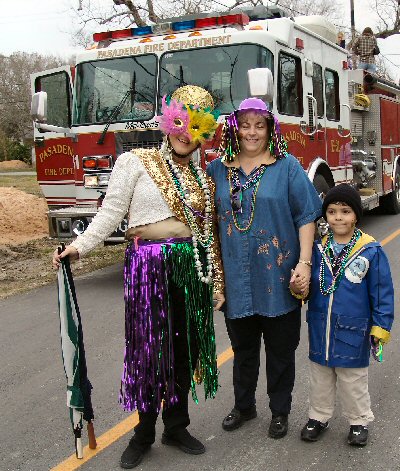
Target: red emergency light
(299, 43)
(97, 37)
(121, 33)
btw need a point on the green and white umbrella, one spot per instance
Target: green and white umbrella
(73, 354)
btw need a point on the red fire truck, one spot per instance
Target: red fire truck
(341, 124)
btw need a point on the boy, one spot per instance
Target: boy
(351, 304)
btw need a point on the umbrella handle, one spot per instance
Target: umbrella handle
(78, 442)
(78, 448)
(91, 436)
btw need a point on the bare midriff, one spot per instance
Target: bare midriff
(165, 229)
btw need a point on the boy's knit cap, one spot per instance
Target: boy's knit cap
(343, 193)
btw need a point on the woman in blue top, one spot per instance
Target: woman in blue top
(266, 209)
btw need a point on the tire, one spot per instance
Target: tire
(391, 202)
(322, 187)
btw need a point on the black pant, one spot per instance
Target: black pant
(177, 415)
(281, 336)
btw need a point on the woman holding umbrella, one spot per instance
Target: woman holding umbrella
(172, 272)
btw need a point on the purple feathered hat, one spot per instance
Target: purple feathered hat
(230, 141)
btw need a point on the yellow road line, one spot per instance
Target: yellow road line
(115, 433)
(390, 237)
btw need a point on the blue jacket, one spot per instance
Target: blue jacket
(340, 324)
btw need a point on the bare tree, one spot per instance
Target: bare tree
(388, 12)
(327, 8)
(15, 92)
(93, 14)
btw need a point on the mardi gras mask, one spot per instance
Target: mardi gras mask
(189, 112)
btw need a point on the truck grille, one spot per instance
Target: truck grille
(126, 141)
(127, 146)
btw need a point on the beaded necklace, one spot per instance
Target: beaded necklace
(338, 263)
(236, 191)
(200, 235)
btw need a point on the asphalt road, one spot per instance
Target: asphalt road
(35, 431)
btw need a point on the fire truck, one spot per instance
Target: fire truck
(343, 125)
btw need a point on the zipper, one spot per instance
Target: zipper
(328, 327)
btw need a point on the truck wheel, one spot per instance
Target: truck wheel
(391, 202)
(322, 187)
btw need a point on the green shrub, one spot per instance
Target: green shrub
(14, 150)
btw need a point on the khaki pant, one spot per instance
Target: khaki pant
(351, 385)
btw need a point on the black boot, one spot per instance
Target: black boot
(236, 418)
(133, 454)
(278, 427)
(184, 441)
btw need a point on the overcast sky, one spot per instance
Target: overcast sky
(45, 26)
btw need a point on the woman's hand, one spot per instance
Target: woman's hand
(70, 251)
(302, 275)
(219, 300)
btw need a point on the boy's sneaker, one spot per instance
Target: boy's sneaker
(313, 429)
(358, 435)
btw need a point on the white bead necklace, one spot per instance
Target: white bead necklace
(205, 237)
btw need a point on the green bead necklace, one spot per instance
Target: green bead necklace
(337, 263)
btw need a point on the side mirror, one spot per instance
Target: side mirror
(39, 107)
(261, 83)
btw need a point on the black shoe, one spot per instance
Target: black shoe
(278, 427)
(358, 435)
(184, 441)
(236, 418)
(313, 429)
(133, 455)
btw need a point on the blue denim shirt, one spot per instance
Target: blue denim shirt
(258, 263)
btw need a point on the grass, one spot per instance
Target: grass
(17, 170)
(27, 183)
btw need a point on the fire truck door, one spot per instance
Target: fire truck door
(55, 153)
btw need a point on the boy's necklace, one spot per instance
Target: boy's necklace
(338, 263)
(237, 189)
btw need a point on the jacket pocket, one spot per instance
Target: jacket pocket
(349, 336)
(316, 331)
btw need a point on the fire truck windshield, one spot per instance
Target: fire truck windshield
(221, 70)
(101, 86)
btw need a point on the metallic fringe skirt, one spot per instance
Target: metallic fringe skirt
(148, 375)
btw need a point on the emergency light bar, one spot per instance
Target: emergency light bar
(239, 19)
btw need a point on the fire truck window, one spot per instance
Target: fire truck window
(222, 70)
(318, 88)
(290, 89)
(332, 95)
(58, 92)
(113, 90)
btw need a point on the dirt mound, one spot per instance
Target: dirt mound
(23, 216)
(13, 165)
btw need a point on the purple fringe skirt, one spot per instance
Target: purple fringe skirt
(148, 375)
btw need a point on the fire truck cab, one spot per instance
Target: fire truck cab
(107, 104)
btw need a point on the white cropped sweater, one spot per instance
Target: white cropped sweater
(130, 190)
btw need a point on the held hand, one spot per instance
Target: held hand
(294, 283)
(219, 300)
(69, 251)
(302, 275)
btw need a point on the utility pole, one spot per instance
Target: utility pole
(353, 27)
(353, 34)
